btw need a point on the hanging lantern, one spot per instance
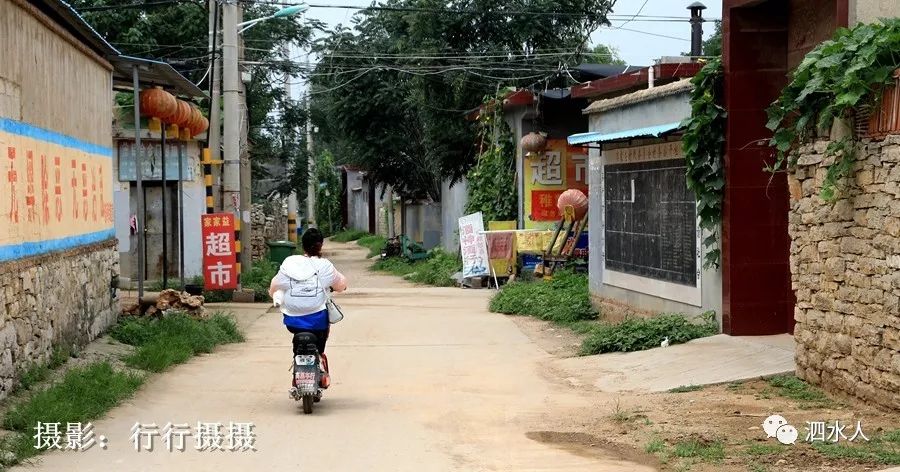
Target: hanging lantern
(533, 143)
(575, 199)
(182, 115)
(156, 102)
(201, 127)
(196, 120)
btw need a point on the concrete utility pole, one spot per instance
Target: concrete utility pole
(215, 131)
(231, 168)
(696, 9)
(292, 198)
(311, 180)
(246, 175)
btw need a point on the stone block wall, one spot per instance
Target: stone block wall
(58, 299)
(845, 266)
(268, 223)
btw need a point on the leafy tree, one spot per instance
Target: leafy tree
(391, 94)
(177, 34)
(603, 54)
(328, 194)
(713, 45)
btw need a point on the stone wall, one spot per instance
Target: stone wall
(845, 266)
(269, 223)
(59, 299)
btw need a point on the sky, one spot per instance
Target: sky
(632, 40)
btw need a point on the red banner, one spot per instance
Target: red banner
(543, 205)
(219, 259)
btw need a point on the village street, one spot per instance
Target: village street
(425, 379)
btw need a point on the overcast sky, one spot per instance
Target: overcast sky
(635, 46)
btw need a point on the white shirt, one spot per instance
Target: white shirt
(304, 281)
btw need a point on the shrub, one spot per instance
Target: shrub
(564, 299)
(637, 334)
(437, 270)
(258, 279)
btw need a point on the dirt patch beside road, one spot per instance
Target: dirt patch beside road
(713, 428)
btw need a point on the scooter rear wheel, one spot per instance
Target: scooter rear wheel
(307, 404)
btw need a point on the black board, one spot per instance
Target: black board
(651, 231)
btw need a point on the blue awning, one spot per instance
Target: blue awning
(596, 137)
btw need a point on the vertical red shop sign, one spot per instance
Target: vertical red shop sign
(219, 259)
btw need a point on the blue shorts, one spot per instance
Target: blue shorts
(313, 321)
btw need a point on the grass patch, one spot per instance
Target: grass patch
(882, 449)
(258, 279)
(686, 389)
(36, 373)
(437, 270)
(348, 235)
(712, 451)
(790, 386)
(373, 243)
(83, 394)
(655, 446)
(563, 299)
(173, 339)
(637, 334)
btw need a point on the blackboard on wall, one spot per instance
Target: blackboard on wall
(651, 221)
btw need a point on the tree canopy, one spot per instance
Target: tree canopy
(391, 94)
(178, 34)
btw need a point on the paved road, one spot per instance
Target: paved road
(425, 379)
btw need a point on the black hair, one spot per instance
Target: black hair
(312, 242)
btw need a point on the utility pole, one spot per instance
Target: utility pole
(696, 9)
(292, 198)
(215, 91)
(246, 177)
(231, 168)
(311, 164)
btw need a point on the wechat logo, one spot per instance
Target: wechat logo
(776, 426)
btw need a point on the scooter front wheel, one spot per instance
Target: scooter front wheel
(308, 404)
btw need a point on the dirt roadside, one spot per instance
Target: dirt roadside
(716, 427)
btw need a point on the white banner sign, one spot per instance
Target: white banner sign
(472, 246)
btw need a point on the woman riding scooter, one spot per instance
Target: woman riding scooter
(300, 287)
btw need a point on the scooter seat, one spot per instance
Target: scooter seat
(304, 343)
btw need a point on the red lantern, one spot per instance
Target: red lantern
(575, 199)
(203, 126)
(181, 117)
(533, 142)
(196, 118)
(157, 103)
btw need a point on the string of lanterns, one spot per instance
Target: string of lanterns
(184, 119)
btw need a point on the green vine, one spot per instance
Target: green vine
(838, 76)
(492, 182)
(704, 149)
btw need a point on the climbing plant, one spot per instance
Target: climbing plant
(492, 182)
(704, 149)
(837, 77)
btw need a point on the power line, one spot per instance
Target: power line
(635, 15)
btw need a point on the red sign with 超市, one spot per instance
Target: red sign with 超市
(219, 256)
